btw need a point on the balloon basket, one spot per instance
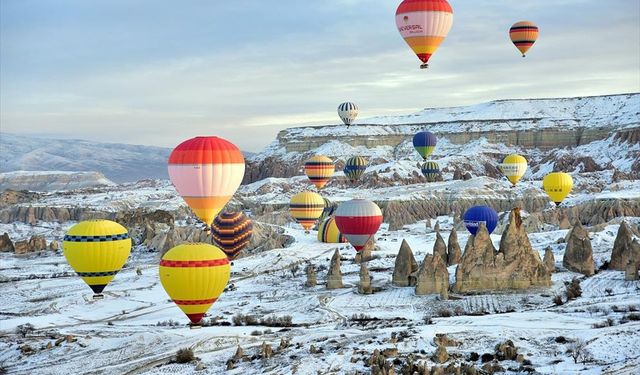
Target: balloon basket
(523, 55)
(98, 296)
(424, 66)
(195, 326)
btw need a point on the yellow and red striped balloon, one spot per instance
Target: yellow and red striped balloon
(194, 275)
(206, 171)
(306, 208)
(523, 34)
(319, 169)
(424, 24)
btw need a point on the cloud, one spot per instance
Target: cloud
(244, 71)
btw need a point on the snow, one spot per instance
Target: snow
(121, 333)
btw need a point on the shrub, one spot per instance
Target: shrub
(616, 308)
(427, 319)
(634, 317)
(609, 291)
(277, 321)
(25, 329)
(445, 313)
(487, 357)
(607, 323)
(573, 289)
(474, 357)
(185, 355)
(557, 299)
(3, 370)
(527, 362)
(561, 340)
(256, 333)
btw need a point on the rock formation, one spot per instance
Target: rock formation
(578, 256)
(436, 228)
(631, 271)
(334, 276)
(311, 276)
(405, 267)
(440, 248)
(515, 266)
(454, 253)
(54, 245)
(441, 355)
(549, 260)
(35, 243)
(624, 249)
(433, 277)
(365, 280)
(6, 245)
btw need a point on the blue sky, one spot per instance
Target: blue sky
(157, 71)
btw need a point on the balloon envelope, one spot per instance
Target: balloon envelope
(348, 112)
(431, 171)
(514, 166)
(424, 24)
(523, 34)
(557, 185)
(480, 214)
(194, 276)
(358, 220)
(97, 250)
(328, 232)
(355, 168)
(206, 172)
(306, 208)
(232, 232)
(425, 142)
(319, 169)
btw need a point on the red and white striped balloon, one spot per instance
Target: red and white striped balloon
(358, 220)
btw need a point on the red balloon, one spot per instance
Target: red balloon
(358, 220)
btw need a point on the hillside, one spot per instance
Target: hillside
(52, 180)
(602, 128)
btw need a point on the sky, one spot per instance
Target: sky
(156, 72)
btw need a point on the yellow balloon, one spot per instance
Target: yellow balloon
(194, 275)
(557, 185)
(97, 250)
(306, 208)
(514, 166)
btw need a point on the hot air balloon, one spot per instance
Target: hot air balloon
(206, 172)
(480, 214)
(97, 250)
(523, 34)
(328, 232)
(347, 112)
(358, 220)
(319, 169)
(557, 185)
(231, 231)
(194, 275)
(514, 166)
(431, 171)
(306, 208)
(355, 167)
(424, 142)
(424, 24)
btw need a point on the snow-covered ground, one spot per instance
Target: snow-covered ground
(124, 333)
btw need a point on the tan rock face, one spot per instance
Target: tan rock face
(311, 276)
(365, 280)
(515, 266)
(440, 248)
(35, 243)
(625, 251)
(454, 253)
(549, 260)
(405, 266)
(334, 276)
(631, 271)
(6, 245)
(578, 256)
(433, 277)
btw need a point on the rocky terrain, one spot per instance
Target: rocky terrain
(52, 181)
(552, 290)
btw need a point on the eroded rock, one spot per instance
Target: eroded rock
(334, 276)
(578, 256)
(405, 266)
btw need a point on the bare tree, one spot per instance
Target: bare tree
(578, 350)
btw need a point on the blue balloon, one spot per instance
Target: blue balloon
(480, 214)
